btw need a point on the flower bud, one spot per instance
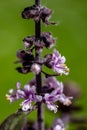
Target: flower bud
(36, 68)
(37, 13)
(47, 39)
(28, 41)
(47, 60)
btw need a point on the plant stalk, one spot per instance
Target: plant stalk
(40, 115)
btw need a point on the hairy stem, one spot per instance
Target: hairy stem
(40, 114)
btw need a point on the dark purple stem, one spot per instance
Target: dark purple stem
(40, 114)
(37, 2)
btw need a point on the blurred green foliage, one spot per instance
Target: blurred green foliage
(71, 37)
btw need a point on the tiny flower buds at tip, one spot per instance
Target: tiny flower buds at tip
(36, 68)
(37, 13)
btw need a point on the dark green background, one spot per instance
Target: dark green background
(71, 37)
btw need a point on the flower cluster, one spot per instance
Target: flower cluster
(46, 40)
(52, 92)
(54, 61)
(55, 95)
(37, 13)
(28, 94)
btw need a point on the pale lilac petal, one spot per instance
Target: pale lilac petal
(33, 89)
(58, 125)
(26, 88)
(51, 82)
(56, 54)
(55, 94)
(65, 100)
(18, 85)
(59, 89)
(63, 59)
(26, 105)
(49, 97)
(21, 93)
(52, 107)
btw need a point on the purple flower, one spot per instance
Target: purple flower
(28, 94)
(52, 92)
(13, 95)
(52, 82)
(49, 102)
(57, 62)
(56, 95)
(65, 100)
(58, 125)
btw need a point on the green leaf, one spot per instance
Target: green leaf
(14, 121)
